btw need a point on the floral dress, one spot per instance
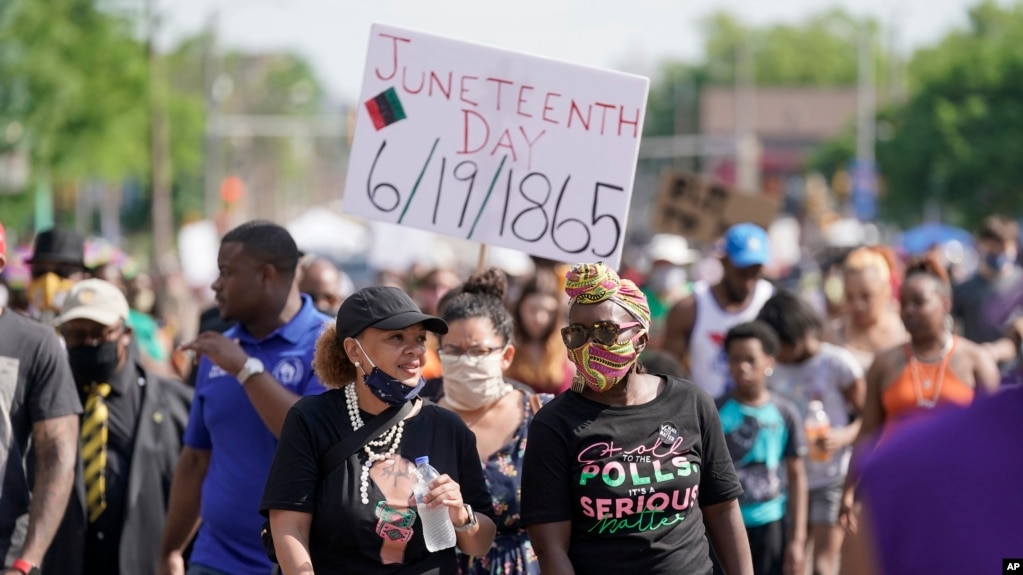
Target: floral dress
(511, 553)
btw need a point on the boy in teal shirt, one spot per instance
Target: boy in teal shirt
(763, 433)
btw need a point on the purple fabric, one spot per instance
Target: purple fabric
(946, 496)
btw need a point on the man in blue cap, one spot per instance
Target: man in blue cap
(697, 325)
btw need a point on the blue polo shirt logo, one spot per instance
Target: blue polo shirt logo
(224, 421)
(289, 370)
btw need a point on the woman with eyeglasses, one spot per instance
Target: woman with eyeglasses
(632, 474)
(475, 354)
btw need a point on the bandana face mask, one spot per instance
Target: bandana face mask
(386, 388)
(604, 366)
(47, 292)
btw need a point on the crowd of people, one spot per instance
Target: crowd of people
(582, 419)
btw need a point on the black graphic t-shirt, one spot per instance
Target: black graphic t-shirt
(384, 536)
(631, 479)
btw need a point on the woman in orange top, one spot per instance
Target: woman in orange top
(935, 368)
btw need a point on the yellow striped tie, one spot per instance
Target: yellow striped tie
(94, 450)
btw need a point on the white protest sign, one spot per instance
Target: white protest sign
(495, 146)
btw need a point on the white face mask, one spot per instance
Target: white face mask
(471, 383)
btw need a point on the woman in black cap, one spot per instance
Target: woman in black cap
(360, 517)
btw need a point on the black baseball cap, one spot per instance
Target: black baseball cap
(382, 307)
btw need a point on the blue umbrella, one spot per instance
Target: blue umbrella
(923, 237)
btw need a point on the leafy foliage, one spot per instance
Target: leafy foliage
(76, 79)
(821, 51)
(958, 139)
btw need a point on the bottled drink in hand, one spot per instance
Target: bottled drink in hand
(437, 528)
(817, 427)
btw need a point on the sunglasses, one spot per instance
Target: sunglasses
(605, 333)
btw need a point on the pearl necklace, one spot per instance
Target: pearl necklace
(918, 385)
(392, 437)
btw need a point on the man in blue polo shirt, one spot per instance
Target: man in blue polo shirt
(248, 379)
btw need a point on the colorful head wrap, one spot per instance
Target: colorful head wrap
(588, 284)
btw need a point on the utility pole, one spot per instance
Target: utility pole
(863, 199)
(162, 212)
(211, 69)
(747, 158)
(866, 95)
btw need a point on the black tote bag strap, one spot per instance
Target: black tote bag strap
(344, 449)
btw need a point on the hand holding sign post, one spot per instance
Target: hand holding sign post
(498, 147)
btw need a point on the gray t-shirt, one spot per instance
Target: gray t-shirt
(35, 385)
(985, 307)
(825, 376)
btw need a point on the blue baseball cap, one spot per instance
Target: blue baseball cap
(746, 245)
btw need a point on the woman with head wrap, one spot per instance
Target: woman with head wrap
(632, 472)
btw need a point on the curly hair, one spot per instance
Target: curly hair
(330, 362)
(753, 330)
(930, 266)
(482, 295)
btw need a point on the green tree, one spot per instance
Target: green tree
(820, 51)
(958, 139)
(75, 78)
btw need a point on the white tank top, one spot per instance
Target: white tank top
(708, 365)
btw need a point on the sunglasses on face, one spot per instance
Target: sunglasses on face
(605, 333)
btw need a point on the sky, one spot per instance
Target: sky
(632, 35)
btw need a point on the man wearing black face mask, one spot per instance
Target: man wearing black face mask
(130, 439)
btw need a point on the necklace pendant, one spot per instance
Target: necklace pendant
(927, 384)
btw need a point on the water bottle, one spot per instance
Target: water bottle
(817, 427)
(437, 528)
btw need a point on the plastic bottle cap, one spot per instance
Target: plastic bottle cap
(424, 460)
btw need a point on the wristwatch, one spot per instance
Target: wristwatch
(26, 567)
(472, 520)
(252, 367)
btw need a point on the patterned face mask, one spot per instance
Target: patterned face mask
(603, 367)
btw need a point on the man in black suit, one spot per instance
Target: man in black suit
(130, 439)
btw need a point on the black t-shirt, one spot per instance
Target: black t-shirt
(35, 385)
(384, 536)
(631, 479)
